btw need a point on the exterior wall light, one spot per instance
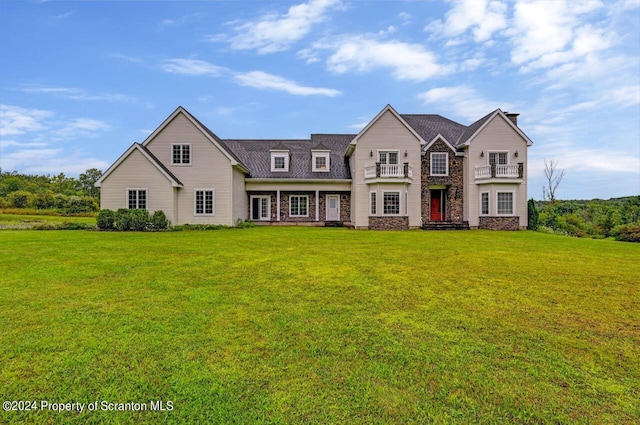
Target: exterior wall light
(481, 154)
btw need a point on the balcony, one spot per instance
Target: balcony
(388, 172)
(500, 171)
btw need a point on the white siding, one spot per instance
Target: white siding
(387, 133)
(497, 135)
(136, 171)
(209, 169)
(240, 199)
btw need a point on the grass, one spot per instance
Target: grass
(307, 325)
(11, 220)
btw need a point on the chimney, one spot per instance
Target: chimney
(513, 117)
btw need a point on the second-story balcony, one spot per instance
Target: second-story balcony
(499, 171)
(388, 171)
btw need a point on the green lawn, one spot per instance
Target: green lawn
(312, 325)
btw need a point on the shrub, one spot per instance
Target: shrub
(20, 199)
(138, 220)
(105, 220)
(533, 215)
(77, 204)
(158, 221)
(246, 224)
(627, 233)
(122, 219)
(43, 201)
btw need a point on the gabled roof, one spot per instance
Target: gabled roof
(147, 154)
(386, 109)
(478, 126)
(235, 161)
(429, 126)
(255, 154)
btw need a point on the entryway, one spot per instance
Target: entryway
(438, 205)
(333, 208)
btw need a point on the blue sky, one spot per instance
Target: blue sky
(81, 81)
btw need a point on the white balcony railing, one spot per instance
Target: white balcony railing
(501, 171)
(388, 170)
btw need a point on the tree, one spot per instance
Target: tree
(554, 177)
(86, 182)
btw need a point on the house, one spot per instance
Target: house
(400, 172)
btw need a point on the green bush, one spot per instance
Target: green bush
(533, 215)
(122, 219)
(158, 221)
(105, 220)
(43, 201)
(627, 233)
(21, 199)
(138, 220)
(77, 204)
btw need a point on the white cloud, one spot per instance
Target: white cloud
(76, 93)
(462, 101)
(482, 17)
(15, 120)
(193, 67)
(50, 161)
(263, 80)
(181, 20)
(276, 32)
(79, 127)
(407, 61)
(548, 33)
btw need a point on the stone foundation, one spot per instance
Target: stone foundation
(499, 223)
(389, 223)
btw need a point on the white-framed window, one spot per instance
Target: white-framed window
(298, 206)
(484, 203)
(181, 154)
(373, 197)
(137, 199)
(260, 207)
(439, 164)
(504, 201)
(391, 203)
(388, 157)
(204, 202)
(279, 160)
(499, 158)
(320, 161)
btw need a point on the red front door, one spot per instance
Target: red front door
(435, 209)
(438, 205)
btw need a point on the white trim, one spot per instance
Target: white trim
(262, 197)
(298, 215)
(137, 190)
(446, 162)
(208, 134)
(334, 196)
(513, 203)
(480, 213)
(374, 204)
(213, 202)
(182, 164)
(124, 156)
(435, 139)
(279, 154)
(508, 152)
(399, 202)
(321, 154)
(508, 121)
(387, 108)
(379, 151)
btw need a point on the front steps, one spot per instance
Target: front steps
(446, 225)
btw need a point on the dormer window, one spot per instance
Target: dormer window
(181, 154)
(320, 161)
(279, 160)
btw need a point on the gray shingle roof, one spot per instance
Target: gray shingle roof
(429, 126)
(254, 154)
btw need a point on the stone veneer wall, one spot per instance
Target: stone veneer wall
(454, 181)
(274, 204)
(389, 223)
(499, 223)
(345, 206)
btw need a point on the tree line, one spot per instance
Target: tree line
(50, 192)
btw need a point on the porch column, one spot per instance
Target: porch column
(278, 205)
(317, 205)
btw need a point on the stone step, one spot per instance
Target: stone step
(333, 224)
(446, 225)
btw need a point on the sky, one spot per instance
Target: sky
(80, 81)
